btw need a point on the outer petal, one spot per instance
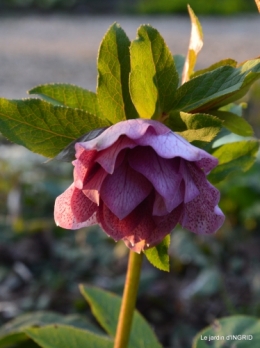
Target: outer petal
(202, 215)
(74, 210)
(172, 145)
(133, 129)
(83, 165)
(124, 190)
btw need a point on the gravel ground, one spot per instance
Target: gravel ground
(36, 50)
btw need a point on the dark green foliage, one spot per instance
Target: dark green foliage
(222, 7)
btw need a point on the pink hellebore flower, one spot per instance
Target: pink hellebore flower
(137, 180)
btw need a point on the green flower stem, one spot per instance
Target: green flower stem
(129, 300)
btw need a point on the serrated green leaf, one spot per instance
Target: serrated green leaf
(13, 332)
(234, 123)
(105, 307)
(153, 77)
(42, 127)
(223, 62)
(68, 95)
(113, 76)
(227, 332)
(216, 88)
(62, 336)
(158, 255)
(233, 157)
(195, 45)
(194, 127)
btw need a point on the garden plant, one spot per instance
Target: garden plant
(146, 154)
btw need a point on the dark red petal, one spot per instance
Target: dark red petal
(134, 229)
(165, 224)
(113, 226)
(152, 229)
(93, 185)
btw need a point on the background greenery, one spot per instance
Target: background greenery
(222, 7)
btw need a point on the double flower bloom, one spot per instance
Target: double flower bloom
(137, 180)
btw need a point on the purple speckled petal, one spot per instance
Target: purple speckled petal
(124, 190)
(207, 163)
(74, 210)
(107, 157)
(133, 129)
(161, 172)
(202, 215)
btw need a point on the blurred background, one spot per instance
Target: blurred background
(220, 7)
(41, 265)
